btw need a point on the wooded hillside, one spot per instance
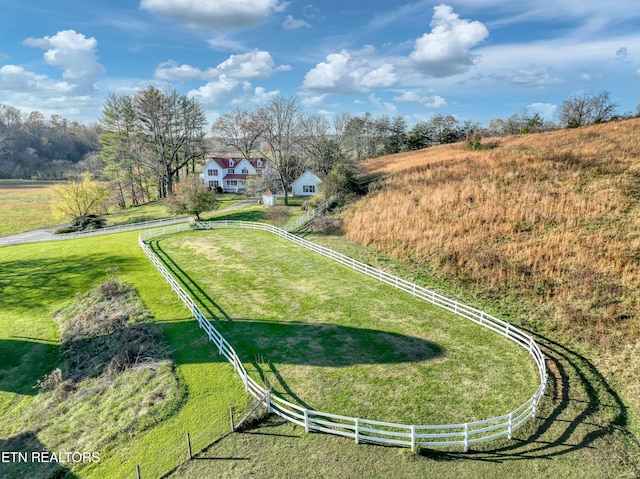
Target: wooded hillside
(35, 147)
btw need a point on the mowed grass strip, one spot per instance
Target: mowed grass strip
(35, 281)
(331, 339)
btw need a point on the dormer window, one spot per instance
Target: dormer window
(232, 162)
(259, 162)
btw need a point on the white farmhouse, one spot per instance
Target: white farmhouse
(306, 184)
(231, 174)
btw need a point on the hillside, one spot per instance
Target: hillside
(547, 225)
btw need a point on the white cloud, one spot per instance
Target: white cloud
(73, 53)
(545, 110)
(258, 96)
(591, 75)
(446, 50)
(534, 75)
(170, 71)
(349, 72)
(291, 23)
(560, 54)
(214, 14)
(313, 101)
(384, 105)
(217, 93)
(382, 77)
(221, 42)
(255, 64)
(427, 101)
(16, 78)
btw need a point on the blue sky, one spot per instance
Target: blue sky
(475, 59)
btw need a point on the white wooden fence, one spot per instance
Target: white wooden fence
(45, 237)
(462, 434)
(308, 216)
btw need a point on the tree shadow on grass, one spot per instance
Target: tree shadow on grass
(27, 459)
(265, 344)
(251, 215)
(209, 307)
(23, 363)
(578, 408)
(29, 284)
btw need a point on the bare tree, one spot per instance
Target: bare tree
(320, 148)
(281, 126)
(586, 109)
(238, 130)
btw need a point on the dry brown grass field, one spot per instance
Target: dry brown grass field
(547, 224)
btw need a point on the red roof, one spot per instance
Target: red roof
(237, 176)
(223, 162)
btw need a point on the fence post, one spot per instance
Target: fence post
(413, 438)
(357, 430)
(510, 427)
(189, 446)
(138, 471)
(233, 427)
(466, 437)
(306, 420)
(268, 401)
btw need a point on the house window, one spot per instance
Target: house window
(259, 162)
(245, 171)
(232, 182)
(232, 171)
(308, 188)
(232, 162)
(212, 172)
(212, 183)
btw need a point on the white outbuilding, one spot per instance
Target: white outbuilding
(306, 184)
(269, 198)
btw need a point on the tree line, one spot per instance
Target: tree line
(144, 143)
(33, 146)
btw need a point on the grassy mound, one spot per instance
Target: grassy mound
(114, 378)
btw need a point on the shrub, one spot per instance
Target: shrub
(278, 215)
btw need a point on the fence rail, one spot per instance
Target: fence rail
(308, 216)
(44, 237)
(462, 434)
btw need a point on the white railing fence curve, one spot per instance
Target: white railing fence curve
(308, 216)
(462, 434)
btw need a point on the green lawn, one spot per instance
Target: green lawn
(25, 206)
(35, 281)
(579, 432)
(305, 339)
(334, 340)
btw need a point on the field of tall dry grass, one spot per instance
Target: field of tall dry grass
(549, 222)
